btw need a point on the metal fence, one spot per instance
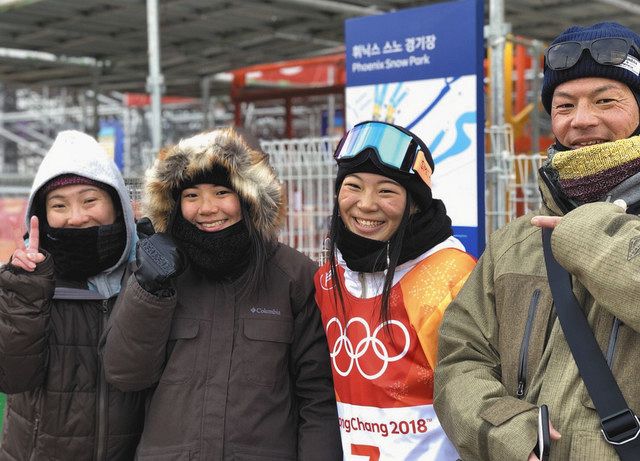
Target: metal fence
(307, 170)
(511, 184)
(524, 195)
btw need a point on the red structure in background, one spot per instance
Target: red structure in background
(322, 75)
(144, 99)
(522, 63)
(520, 114)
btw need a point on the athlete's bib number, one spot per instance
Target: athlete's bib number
(366, 450)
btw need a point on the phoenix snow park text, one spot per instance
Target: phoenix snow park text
(390, 63)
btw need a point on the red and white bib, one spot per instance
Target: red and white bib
(382, 370)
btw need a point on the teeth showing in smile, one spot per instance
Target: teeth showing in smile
(588, 143)
(212, 224)
(368, 223)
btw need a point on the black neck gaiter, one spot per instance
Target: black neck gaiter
(423, 231)
(82, 253)
(217, 255)
(361, 254)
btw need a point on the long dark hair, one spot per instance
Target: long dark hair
(394, 246)
(260, 250)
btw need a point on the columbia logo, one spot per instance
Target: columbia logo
(265, 310)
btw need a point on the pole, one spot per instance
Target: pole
(95, 86)
(331, 106)
(155, 80)
(499, 174)
(536, 84)
(205, 96)
(2, 141)
(497, 29)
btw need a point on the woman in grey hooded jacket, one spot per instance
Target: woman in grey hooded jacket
(56, 294)
(233, 346)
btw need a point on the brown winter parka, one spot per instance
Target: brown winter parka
(59, 406)
(236, 376)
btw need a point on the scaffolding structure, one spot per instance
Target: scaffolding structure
(29, 124)
(511, 179)
(29, 120)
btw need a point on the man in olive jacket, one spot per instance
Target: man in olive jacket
(502, 351)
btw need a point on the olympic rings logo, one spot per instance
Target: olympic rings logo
(361, 348)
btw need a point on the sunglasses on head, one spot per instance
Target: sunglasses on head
(393, 147)
(610, 51)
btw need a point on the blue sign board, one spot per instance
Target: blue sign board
(421, 68)
(111, 138)
(438, 40)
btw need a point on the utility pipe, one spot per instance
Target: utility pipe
(155, 80)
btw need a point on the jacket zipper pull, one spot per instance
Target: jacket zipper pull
(520, 391)
(36, 425)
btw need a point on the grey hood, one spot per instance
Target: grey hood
(74, 152)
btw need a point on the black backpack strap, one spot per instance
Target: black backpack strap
(620, 426)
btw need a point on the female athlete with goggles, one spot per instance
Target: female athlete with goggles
(393, 267)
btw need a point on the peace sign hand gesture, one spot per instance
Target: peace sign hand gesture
(27, 257)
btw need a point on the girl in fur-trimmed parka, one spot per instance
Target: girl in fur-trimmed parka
(56, 294)
(220, 319)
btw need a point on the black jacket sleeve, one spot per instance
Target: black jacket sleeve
(134, 343)
(25, 304)
(318, 431)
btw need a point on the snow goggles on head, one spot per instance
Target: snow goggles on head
(394, 148)
(610, 51)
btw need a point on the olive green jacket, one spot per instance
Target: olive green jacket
(502, 351)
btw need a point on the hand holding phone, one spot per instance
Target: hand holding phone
(544, 438)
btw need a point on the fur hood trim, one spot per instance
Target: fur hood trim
(250, 173)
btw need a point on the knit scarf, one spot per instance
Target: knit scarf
(591, 173)
(82, 253)
(423, 231)
(217, 255)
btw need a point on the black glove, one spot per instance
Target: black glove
(159, 262)
(144, 228)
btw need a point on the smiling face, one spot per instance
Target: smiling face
(371, 205)
(588, 111)
(79, 206)
(210, 207)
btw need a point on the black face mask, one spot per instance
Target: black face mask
(82, 253)
(423, 231)
(217, 255)
(361, 254)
